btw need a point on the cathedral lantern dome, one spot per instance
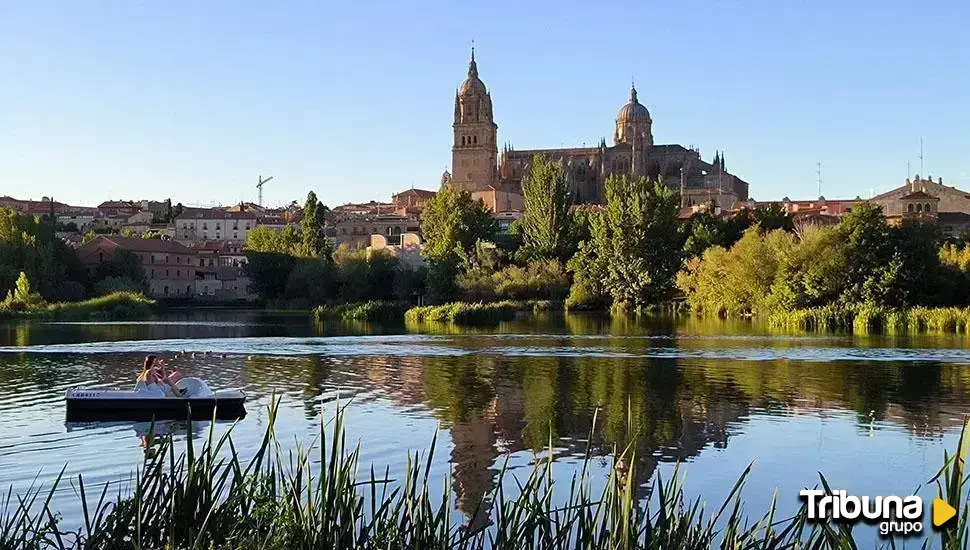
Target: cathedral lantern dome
(472, 85)
(633, 110)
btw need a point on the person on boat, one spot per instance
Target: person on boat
(155, 379)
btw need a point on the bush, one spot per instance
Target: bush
(109, 285)
(539, 280)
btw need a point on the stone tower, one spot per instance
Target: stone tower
(635, 128)
(474, 153)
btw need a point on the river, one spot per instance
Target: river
(874, 414)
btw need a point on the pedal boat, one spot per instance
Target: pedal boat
(195, 401)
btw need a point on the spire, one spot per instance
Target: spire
(472, 66)
(633, 93)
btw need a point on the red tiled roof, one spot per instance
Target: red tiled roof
(418, 192)
(136, 244)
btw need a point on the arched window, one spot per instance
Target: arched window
(911, 207)
(462, 140)
(919, 207)
(475, 140)
(927, 207)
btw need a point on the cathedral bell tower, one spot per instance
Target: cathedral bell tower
(475, 151)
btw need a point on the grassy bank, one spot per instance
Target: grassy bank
(363, 311)
(197, 499)
(477, 313)
(114, 306)
(867, 318)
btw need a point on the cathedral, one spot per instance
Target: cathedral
(477, 166)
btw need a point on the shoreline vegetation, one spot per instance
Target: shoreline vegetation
(212, 498)
(110, 307)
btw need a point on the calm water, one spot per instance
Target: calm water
(873, 414)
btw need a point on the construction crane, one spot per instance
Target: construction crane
(260, 187)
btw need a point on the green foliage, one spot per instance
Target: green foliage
(538, 280)
(112, 284)
(313, 281)
(267, 239)
(364, 275)
(122, 264)
(546, 225)
(269, 272)
(736, 281)
(22, 291)
(452, 221)
(314, 242)
(115, 306)
(862, 260)
(635, 248)
(88, 237)
(772, 217)
(362, 311)
(30, 245)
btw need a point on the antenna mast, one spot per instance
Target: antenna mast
(921, 172)
(260, 187)
(818, 177)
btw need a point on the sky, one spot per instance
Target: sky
(193, 100)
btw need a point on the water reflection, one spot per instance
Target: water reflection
(673, 388)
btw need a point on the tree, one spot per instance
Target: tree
(772, 217)
(867, 238)
(546, 225)
(452, 220)
(312, 228)
(22, 291)
(636, 249)
(267, 239)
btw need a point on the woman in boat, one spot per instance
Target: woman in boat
(155, 379)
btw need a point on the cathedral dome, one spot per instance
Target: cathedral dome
(472, 85)
(633, 110)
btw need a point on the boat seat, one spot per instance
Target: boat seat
(192, 388)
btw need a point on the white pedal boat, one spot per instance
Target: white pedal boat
(195, 400)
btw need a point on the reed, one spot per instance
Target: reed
(866, 318)
(362, 311)
(478, 313)
(210, 498)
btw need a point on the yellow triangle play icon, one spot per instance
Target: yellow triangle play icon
(942, 512)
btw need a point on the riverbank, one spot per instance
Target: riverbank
(114, 306)
(865, 319)
(197, 499)
(459, 313)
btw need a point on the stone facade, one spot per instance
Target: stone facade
(476, 166)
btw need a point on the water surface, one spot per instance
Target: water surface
(873, 413)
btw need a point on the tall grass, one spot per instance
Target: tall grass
(362, 311)
(866, 318)
(210, 498)
(478, 313)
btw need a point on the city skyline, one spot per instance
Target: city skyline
(194, 103)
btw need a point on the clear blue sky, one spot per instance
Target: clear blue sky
(192, 100)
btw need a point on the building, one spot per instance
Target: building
(216, 225)
(476, 165)
(499, 199)
(356, 230)
(406, 247)
(412, 200)
(170, 267)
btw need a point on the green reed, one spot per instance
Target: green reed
(362, 311)
(479, 313)
(211, 498)
(867, 318)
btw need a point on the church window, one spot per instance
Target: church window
(462, 140)
(911, 207)
(919, 207)
(475, 140)
(927, 207)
